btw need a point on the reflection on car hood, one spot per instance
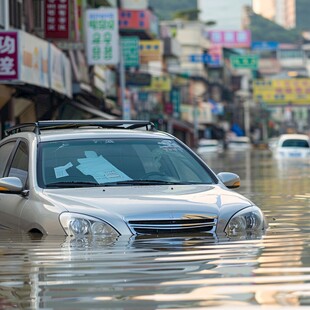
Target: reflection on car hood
(136, 200)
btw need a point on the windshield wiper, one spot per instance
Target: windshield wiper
(73, 184)
(141, 182)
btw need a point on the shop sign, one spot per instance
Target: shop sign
(175, 99)
(216, 53)
(230, 38)
(60, 72)
(34, 60)
(57, 19)
(9, 62)
(143, 96)
(264, 45)
(138, 79)
(244, 61)
(283, 92)
(199, 58)
(102, 36)
(159, 84)
(130, 50)
(150, 50)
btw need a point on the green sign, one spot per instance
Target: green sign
(130, 50)
(244, 61)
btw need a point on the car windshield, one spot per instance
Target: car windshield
(295, 143)
(118, 162)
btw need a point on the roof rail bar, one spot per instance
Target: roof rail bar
(32, 127)
(66, 124)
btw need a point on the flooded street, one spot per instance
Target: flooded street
(176, 273)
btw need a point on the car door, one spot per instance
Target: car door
(16, 165)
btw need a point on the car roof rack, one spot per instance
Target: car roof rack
(37, 127)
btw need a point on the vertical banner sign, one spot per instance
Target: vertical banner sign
(175, 99)
(8, 56)
(102, 36)
(130, 50)
(57, 19)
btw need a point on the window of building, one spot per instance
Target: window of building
(15, 13)
(38, 7)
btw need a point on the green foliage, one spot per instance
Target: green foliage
(265, 30)
(166, 9)
(187, 14)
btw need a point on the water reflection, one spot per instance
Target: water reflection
(173, 272)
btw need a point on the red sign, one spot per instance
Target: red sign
(8, 56)
(134, 19)
(56, 19)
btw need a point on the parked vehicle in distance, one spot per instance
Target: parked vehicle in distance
(207, 146)
(292, 146)
(111, 178)
(239, 143)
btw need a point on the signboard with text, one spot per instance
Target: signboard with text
(229, 38)
(285, 91)
(264, 46)
(102, 42)
(57, 19)
(150, 50)
(130, 50)
(27, 59)
(9, 62)
(159, 84)
(244, 61)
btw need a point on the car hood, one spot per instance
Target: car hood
(148, 201)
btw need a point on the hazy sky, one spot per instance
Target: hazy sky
(226, 13)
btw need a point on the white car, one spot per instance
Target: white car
(292, 146)
(239, 143)
(207, 146)
(111, 178)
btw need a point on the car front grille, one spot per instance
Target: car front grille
(173, 226)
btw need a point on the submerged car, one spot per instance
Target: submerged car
(209, 146)
(292, 146)
(239, 143)
(110, 178)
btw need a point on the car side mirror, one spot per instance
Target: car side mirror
(11, 185)
(231, 180)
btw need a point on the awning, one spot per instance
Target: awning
(93, 110)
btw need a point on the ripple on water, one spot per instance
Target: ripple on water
(172, 273)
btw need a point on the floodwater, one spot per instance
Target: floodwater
(176, 273)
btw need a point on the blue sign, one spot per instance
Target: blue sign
(198, 58)
(264, 46)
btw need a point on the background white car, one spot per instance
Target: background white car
(292, 146)
(239, 143)
(111, 178)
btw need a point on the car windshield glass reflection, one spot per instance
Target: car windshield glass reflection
(295, 143)
(118, 162)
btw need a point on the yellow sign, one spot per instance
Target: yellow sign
(150, 50)
(294, 91)
(159, 83)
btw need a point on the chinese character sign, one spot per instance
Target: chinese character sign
(8, 56)
(57, 19)
(294, 91)
(102, 36)
(234, 39)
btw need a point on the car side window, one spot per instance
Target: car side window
(5, 151)
(19, 166)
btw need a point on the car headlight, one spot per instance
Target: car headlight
(76, 224)
(250, 219)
